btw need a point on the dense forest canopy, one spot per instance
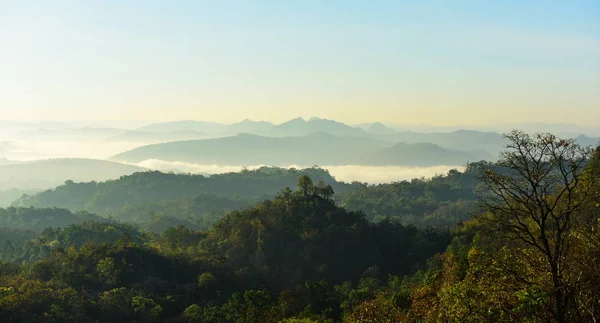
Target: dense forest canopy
(510, 241)
(158, 200)
(297, 245)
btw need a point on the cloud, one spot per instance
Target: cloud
(386, 174)
(183, 167)
(369, 174)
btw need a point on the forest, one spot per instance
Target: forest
(515, 240)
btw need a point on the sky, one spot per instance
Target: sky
(405, 62)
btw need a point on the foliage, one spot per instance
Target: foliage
(302, 257)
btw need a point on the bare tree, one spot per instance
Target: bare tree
(533, 197)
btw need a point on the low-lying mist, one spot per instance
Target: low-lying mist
(29, 150)
(349, 173)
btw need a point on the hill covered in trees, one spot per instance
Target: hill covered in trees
(527, 251)
(158, 200)
(234, 272)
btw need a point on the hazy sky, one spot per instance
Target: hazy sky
(433, 62)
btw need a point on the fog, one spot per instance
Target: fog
(350, 173)
(30, 150)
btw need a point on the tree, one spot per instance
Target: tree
(323, 190)
(305, 185)
(534, 198)
(146, 308)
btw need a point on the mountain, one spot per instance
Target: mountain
(315, 149)
(379, 128)
(294, 127)
(465, 140)
(156, 137)
(588, 141)
(187, 125)
(301, 127)
(150, 187)
(421, 154)
(249, 126)
(43, 174)
(244, 149)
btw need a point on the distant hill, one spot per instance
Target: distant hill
(445, 137)
(301, 127)
(588, 141)
(43, 174)
(380, 128)
(314, 149)
(156, 137)
(295, 127)
(421, 154)
(465, 140)
(186, 125)
(253, 127)
(149, 187)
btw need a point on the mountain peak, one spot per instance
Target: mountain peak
(380, 128)
(294, 121)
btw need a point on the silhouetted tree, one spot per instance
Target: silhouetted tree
(534, 199)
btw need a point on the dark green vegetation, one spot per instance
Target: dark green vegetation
(38, 219)
(296, 255)
(157, 200)
(316, 148)
(512, 241)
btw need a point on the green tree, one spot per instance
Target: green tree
(146, 308)
(305, 185)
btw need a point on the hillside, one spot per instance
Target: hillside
(465, 140)
(109, 196)
(185, 125)
(379, 128)
(301, 127)
(156, 200)
(43, 174)
(421, 154)
(249, 126)
(147, 137)
(314, 149)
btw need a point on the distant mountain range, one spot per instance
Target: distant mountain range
(318, 148)
(156, 137)
(346, 143)
(301, 127)
(186, 125)
(294, 127)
